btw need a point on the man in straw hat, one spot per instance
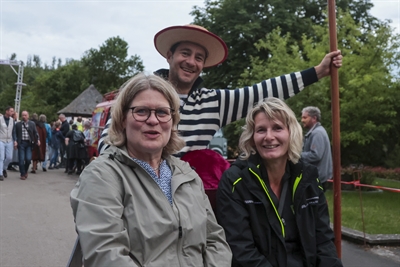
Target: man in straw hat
(190, 48)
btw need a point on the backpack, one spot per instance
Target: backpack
(77, 136)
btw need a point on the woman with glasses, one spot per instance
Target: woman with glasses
(136, 205)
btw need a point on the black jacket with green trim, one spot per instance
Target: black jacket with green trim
(254, 230)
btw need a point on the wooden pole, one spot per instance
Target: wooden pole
(337, 219)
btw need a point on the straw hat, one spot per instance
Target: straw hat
(216, 48)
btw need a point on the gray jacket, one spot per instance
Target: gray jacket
(317, 151)
(124, 219)
(7, 133)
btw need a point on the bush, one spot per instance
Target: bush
(367, 177)
(391, 174)
(348, 175)
(393, 158)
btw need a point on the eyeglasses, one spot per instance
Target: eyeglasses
(142, 114)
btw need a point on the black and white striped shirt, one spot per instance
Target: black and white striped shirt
(207, 110)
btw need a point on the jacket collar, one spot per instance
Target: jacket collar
(255, 164)
(164, 73)
(313, 128)
(181, 171)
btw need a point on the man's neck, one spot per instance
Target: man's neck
(312, 127)
(181, 88)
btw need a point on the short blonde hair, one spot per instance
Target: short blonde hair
(128, 91)
(275, 109)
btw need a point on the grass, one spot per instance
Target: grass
(387, 183)
(381, 209)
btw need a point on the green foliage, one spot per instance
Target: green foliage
(393, 158)
(109, 67)
(7, 87)
(242, 23)
(389, 174)
(53, 90)
(367, 177)
(366, 80)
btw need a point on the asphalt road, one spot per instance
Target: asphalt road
(36, 222)
(37, 227)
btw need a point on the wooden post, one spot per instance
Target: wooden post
(337, 219)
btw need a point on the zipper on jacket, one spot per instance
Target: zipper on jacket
(318, 181)
(234, 184)
(180, 232)
(270, 200)
(295, 185)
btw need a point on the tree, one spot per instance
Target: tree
(241, 23)
(55, 89)
(7, 85)
(109, 66)
(369, 95)
(9, 78)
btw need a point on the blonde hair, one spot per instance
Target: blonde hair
(128, 91)
(275, 109)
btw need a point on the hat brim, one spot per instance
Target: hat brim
(216, 47)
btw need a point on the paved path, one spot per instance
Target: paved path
(36, 222)
(37, 227)
(359, 256)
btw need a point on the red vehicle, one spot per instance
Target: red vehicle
(100, 116)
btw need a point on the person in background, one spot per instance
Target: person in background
(27, 137)
(7, 140)
(153, 210)
(76, 150)
(43, 119)
(270, 202)
(71, 122)
(87, 134)
(39, 151)
(88, 141)
(79, 124)
(57, 138)
(190, 48)
(14, 162)
(63, 148)
(317, 147)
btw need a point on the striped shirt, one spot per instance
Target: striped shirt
(207, 110)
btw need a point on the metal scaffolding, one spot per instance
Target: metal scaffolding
(19, 82)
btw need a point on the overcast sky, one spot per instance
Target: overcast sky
(66, 29)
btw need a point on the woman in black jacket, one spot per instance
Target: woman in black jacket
(270, 203)
(76, 150)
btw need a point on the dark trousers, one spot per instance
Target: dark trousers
(24, 156)
(71, 162)
(63, 149)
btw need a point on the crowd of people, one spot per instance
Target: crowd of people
(32, 141)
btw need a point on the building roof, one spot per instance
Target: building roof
(84, 104)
